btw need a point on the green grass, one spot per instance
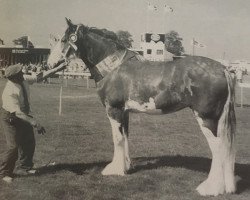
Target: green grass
(169, 153)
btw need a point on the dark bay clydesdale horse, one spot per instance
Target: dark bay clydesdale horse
(127, 83)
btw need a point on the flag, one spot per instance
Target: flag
(1, 42)
(152, 7)
(168, 9)
(197, 44)
(30, 45)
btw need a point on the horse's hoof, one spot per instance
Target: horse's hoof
(230, 188)
(208, 189)
(112, 169)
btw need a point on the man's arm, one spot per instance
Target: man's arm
(12, 105)
(33, 78)
(21, 115)
(40, 129)
(26, 118)
(45, 74)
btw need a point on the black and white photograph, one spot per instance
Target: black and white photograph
(124, 99)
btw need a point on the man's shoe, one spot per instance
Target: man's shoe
(24, 172)
(31, 171)
(7, 179)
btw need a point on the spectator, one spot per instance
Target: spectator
(240, 71)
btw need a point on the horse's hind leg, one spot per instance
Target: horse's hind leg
(119, 164)
(126, 134)
(221, 175)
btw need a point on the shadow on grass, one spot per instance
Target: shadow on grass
(147, 163)
(200, 164)
(77, 168)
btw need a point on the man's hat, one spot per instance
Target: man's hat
(13, 70)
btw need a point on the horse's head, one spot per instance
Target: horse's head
(67, 48)
(87, 43)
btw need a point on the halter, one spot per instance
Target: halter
(72, 40)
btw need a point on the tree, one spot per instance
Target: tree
(125, 38)
(173, 43)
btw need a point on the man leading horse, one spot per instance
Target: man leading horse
(17, 123)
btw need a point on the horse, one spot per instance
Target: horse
(127, 83)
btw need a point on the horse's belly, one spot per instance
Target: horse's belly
(146, 107)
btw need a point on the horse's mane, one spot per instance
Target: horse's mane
(104, 33)
(110, 35)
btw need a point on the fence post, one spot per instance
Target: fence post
(87, 82)
(241, 96)
(60, 102)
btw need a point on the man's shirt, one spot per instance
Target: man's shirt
(13, 96)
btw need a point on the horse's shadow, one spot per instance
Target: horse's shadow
(200, 164)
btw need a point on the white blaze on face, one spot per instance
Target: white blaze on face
(55, 55)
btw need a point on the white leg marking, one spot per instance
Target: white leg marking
(214, 184)
(229, 172)
(127, 158)
(117, 166)
(134, 105)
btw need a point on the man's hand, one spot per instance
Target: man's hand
(46, 74)
(39, 76)
(40, 129)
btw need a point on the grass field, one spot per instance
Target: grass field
(169, 153)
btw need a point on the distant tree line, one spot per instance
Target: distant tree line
(173, 41)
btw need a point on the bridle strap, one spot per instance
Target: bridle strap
(71, 43)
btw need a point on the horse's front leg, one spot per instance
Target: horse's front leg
(121, 162)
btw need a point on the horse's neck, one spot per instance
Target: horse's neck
(99, 49)
(103, 57)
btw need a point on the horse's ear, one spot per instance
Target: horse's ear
(69, 22)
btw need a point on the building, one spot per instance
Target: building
(152, 47)
(13, 55)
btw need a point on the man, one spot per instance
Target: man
(17, 123)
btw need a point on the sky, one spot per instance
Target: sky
(221, 25)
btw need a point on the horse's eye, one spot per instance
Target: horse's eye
(63, 39)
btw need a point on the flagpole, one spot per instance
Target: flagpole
(147, 16)
(193, 47)
(147, 19)
(27, 45)
(164, 25)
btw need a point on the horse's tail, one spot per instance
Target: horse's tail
(227, 122)
(226, 132)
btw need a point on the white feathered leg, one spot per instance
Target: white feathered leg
(215, 183)
(117, 166)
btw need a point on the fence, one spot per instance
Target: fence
(244, 96)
